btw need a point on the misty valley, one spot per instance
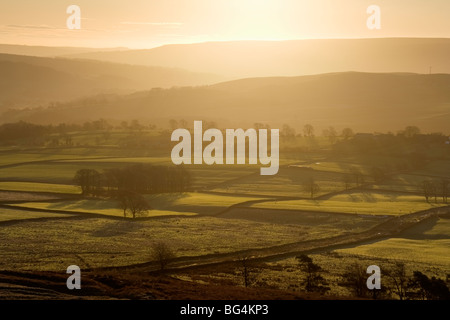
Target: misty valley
(206, 171)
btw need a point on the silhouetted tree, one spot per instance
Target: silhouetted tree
(356, 280)
(287, 131)
(310, 186)
(378, 174)
(246, 270)
(308, 131)
(347, 133)
(88, 180)
(399, 279)
(411, 131)
(313, 281)
(425, 288)
(427, 189)
(358, 177)
(331, 134)
(162, 253)
(133, 203)
(347, 180)
(444, 189)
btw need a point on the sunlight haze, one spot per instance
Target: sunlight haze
(147, 24)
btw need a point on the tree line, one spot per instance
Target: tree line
(396, 282)
(136, 178)
(436, 189)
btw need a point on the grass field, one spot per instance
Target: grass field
(107, 208)
(340, 167)
(321, 220)
(428, 244)
(367, 203)
(102, 242)
(11, 214)
(201, 222)
(162, 204)
(202, 203)
(288, 182)
(440, 168)
(39, 187)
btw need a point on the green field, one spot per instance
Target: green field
(366, 203)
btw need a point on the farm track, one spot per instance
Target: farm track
(386, 229)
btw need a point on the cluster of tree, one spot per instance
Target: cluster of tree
(409, 144)
(137, 179)
(133, 203)
(396, 283)
(355, 178)
(436, 189)
(22, 130)
(309, 132)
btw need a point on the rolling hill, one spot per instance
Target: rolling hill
(27, 81)
(363, 101)
(42, 51)
(243, 59)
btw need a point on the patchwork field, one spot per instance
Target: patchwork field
(358, 203)
(426, 244)
(11, 214)
(228, 212)
(39, 187)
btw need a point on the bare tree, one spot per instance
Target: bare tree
(311, 187)
(246, 270)
(358, 177)
(137, 205)
(331, 134)
(133, 203)
(162, 253)
(355, 279)
(88, 180)
(427, 189)
(347, 133)
(308, 131)
(411, 131)
(347, 180)
(444, 190)
(399, 280)
(313, 282)
(287, 131)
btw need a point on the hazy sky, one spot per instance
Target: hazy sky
(149, 23)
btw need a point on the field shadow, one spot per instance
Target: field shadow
(166, 200)
(419, 231)
(117, 228)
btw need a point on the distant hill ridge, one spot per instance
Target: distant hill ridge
(363, 101)
(239, 59)
(31, 81)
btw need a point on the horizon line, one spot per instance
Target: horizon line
(222, 41)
